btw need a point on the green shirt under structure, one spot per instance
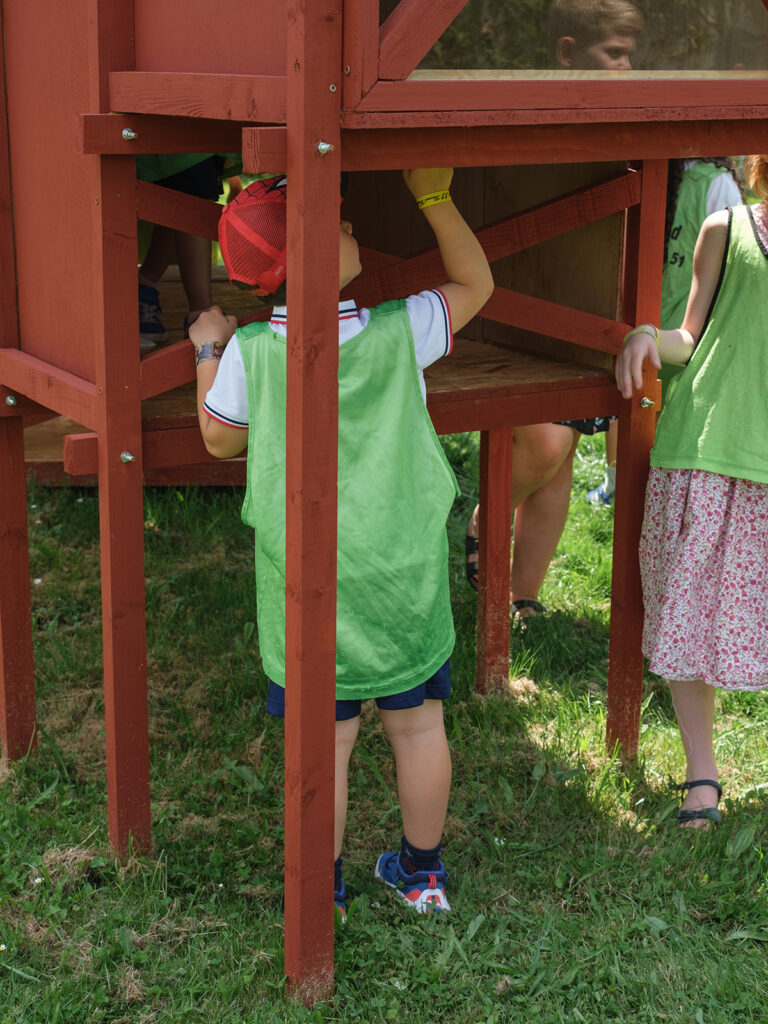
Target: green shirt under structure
(716, 419)
(395, 489)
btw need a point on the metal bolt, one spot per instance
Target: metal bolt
(10, 399)
(129, 134)
(646, 403)
(324, 147)
(332, 87)
(127, 457)
(347, 69)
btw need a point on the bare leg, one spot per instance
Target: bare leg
(539, 522)
(539, 453)
(160, 252)
(194, 256)
(423, 763)
(695, 710)
(346, 734)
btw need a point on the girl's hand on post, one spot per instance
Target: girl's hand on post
(640, 344)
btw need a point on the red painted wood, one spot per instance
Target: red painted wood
(492, 669)
(636, 429)
(547, 91)
(49, 386)
(177, 210)
(555, 321)
(705, 114)
(410, 32)
(314, 59)
(161, 449)
(233, 97)
(361, 50)
(197, 34)
(576, 400)
(121, 514)
(390, 148)
(102, 133)
(17, 682)
(167, 368)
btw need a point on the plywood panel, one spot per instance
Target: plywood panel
(579, 269)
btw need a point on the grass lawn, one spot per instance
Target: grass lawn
(575, 897)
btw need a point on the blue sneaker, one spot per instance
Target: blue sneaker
(423, 890)
(150, 329)
(599, 497)
(339, 899)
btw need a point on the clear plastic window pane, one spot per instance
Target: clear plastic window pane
(591, 37)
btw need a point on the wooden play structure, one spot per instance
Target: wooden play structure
(312, 89)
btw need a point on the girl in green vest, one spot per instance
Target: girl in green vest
(394, 627)
(704, 543)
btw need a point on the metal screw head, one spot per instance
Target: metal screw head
(127, 457)
(332, 87)
(10, 399)
(646, 403)
(324, 147)
(129, 134)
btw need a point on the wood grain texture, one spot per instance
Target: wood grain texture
(102, 133)
(410, 32)
(186, 94)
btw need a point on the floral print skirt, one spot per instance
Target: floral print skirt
(704, 567)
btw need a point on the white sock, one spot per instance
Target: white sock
(609, 480)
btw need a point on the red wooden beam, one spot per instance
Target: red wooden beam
(525, 91)
(103, 134)
(313, 60)
(167, 368)
(555, 321)
(177, 210)
(17, 685)
(410, 32)
(492, 667)
(645, 244)
(161, 449)
(361, 50)
(49, 386)
(182, 94)
(368, 147)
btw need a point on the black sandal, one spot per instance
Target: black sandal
(536, 607)
(701, 813)
(472, 547)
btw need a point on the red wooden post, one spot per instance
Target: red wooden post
(121, 507)
(314, 81)
(642, 301)
(493, 569)
(17, 683)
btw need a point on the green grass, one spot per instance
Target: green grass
(575, 898)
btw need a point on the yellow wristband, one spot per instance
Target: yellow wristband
(650, 329)
(433, 199)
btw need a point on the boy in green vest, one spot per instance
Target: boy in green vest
(394, 625)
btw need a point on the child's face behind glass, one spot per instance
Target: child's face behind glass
(610, 54)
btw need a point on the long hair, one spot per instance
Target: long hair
(756, 174)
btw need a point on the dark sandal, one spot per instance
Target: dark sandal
(700, 813)
(472, 547)
(536, 607)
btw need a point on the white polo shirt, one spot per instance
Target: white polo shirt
(227, 400)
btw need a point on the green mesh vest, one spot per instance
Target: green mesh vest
(716, 418)
(394, 624)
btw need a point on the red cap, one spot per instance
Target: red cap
(252, 235)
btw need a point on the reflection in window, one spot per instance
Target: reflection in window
(650, 35)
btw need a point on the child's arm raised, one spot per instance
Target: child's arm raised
(210, 334)
(469, 283)
(647, 342)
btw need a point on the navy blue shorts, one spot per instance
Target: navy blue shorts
(437, 687)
